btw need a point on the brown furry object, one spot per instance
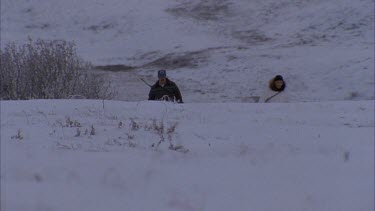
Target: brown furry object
(272, 84)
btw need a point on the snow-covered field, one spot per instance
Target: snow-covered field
(219, 151)
(300, 156)
(216, 50)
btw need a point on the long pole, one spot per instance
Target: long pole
(271, 97)
(145, 82)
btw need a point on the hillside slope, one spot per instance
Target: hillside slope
(217, 50)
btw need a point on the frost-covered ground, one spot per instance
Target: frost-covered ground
(225, 156)
(216, 50)
(220, 150)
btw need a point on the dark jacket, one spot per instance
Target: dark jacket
(170, 89)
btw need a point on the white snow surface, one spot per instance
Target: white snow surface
(228, 156)
(215, 50)
(315, 152)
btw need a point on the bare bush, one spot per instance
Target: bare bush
(71, 123)
(19, 135)
(48, 70)
(92, 132)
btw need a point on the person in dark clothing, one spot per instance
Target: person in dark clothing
(165, 89)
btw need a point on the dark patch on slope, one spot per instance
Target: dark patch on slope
(115, 68)
(208, 10)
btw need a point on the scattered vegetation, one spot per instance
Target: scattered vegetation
(92, 132)
(71, 123)
(19, 135)
(48, 70)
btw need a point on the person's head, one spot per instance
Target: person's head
(278, 83)
(162, 75)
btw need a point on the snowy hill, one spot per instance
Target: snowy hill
(75, 155)
(219, 151)
(325, 49)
